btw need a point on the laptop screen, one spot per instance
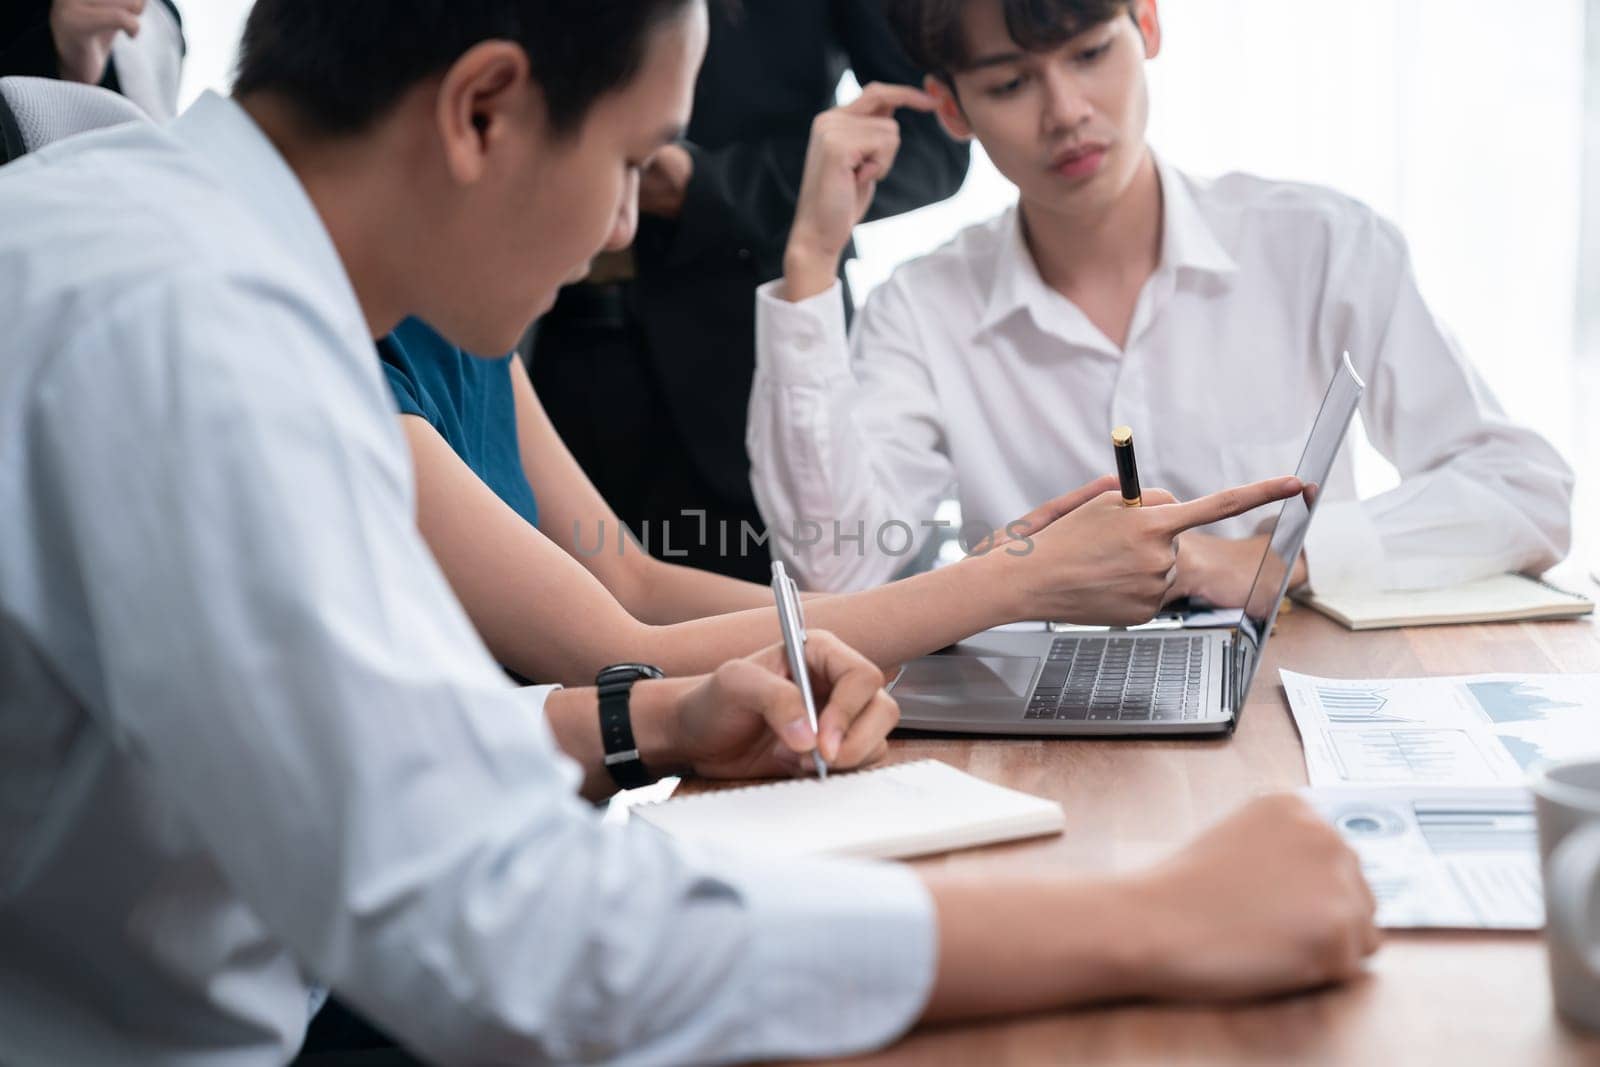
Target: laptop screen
(1289, 530)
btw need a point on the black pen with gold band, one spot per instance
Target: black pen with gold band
(1127, 467)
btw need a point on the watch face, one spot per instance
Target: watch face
(627, 672)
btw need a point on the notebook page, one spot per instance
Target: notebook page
(1498, 596)
(906, 809)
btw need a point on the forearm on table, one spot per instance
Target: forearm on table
(892, 623)
(1483, 516)
(572, 649)
(557, 625)
(665, 593)
(1056, 943)
(1478, 493)
(1440, 528)
(889, 624)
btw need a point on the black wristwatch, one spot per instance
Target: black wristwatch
(616, 724)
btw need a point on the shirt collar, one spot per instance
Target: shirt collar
(1187, 243)
(249, 165)
(1187, 239)
(1015, 284)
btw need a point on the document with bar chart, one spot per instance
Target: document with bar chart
(1467, 730)
(1442, 858)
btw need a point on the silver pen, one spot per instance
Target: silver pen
(792, 624)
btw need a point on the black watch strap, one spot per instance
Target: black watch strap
(616, 723)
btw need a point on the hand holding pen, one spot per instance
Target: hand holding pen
(747, 719)
(1105, 554)
(791, 622)
(1127, 467)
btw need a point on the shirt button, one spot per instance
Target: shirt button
(744, 253)
(805, 342)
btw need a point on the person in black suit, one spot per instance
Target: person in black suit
(645, 367)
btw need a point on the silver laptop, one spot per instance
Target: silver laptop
(1128, 683)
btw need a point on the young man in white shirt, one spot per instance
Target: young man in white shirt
(252, 742)
(1209, 316)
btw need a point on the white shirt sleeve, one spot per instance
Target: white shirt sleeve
(1479, 495)
(848, 457)
(275, 644)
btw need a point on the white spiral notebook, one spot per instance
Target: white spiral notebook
(904, 809)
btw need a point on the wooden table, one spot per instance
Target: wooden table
(1428, 998)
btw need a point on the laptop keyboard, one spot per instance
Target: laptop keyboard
(1105, 679)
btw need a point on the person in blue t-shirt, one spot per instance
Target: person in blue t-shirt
(467, 400)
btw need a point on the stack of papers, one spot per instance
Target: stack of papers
(1426, 778)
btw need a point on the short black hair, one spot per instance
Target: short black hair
(342, 64)
(930, 30)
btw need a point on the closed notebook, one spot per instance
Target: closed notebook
(1501, 598)
(905, 809)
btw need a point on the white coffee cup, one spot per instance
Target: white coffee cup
(1567, 797)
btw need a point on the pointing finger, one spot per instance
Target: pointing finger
(1228, 503)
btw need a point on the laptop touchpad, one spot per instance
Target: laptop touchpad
(964, 687)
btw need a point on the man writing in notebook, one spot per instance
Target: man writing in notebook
(253, 743)
(1208, 315)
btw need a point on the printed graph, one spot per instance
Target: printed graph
(1409, 756)
(1529, 755)
(1358, 706)
(1520, 701)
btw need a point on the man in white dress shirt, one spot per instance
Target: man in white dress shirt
(1207, 315)
(249, 742)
